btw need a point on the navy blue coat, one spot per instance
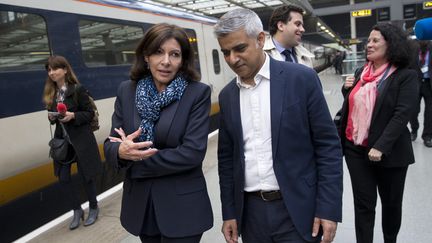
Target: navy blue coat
(307, 157)
(173, 178)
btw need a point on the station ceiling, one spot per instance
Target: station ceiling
(263, 8)
(326, 21)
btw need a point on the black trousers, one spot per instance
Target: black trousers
(150, 232)
(268, 222)
(163, 239)
(70, 191)
(426, 94)
(366, 179)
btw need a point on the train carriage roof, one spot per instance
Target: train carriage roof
(150, 7)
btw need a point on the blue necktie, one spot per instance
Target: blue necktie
(288, 56)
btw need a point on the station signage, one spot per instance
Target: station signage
(361, 13)
(427, 5)
(354, 41)
(383, 14)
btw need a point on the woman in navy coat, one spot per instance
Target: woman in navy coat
(377, 146)
(159, 135)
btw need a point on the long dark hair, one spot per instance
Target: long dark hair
(151, 43)
(55, 62)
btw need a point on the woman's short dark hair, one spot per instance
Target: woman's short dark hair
(397, 44)
(282, 14)
(150, 44)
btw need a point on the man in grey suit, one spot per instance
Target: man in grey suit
(280, 160)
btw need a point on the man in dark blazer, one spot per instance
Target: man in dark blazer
(280, 160)
(422, 64)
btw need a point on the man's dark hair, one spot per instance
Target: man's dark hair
(282, 14)
(397, 44)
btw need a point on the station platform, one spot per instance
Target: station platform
(417, 204)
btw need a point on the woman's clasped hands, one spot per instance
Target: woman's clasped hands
(130, 150)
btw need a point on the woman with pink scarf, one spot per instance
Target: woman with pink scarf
(377, 145)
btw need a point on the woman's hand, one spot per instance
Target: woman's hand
(130, 150)
(51, 117)
(349, 81)
(119, 132)
(67, 116)
(375, 155)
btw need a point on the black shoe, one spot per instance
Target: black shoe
(413, 136)
(428, 142)
(93, 214)
(78, 214)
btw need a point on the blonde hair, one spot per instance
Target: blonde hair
(50, 89)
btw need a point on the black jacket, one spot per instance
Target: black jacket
(388, 130)
(80, 132)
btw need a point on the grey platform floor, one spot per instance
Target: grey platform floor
(417, 206)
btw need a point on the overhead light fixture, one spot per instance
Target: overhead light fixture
(39, 53)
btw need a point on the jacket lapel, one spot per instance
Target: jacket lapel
(277, 90)
(137, 118)
(236, 119)
(163, 125)
(381, 95)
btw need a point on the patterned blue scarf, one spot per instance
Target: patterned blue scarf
(150, 102)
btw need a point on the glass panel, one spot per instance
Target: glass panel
(106, 43)
(216, 62)
(352, 62)
(194, 42)
(23, 42)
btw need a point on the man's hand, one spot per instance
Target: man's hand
(329, 229)
(229, 230)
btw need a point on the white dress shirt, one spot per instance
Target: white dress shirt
(256, 126)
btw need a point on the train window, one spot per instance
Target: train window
(105, 43)
(23, 42)
(216, 62)
(194, 43)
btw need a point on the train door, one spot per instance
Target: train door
(219, 74)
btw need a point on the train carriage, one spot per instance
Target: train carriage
(98, 37)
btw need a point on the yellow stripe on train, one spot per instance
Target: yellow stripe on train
(34, 179)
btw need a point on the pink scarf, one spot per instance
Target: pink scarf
(364, 100)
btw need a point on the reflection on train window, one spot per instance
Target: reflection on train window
(106, 43)
(23, 42)
(216, 62)
(194, 43)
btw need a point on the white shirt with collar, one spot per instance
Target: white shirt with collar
(256, 126)
(303, 55)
